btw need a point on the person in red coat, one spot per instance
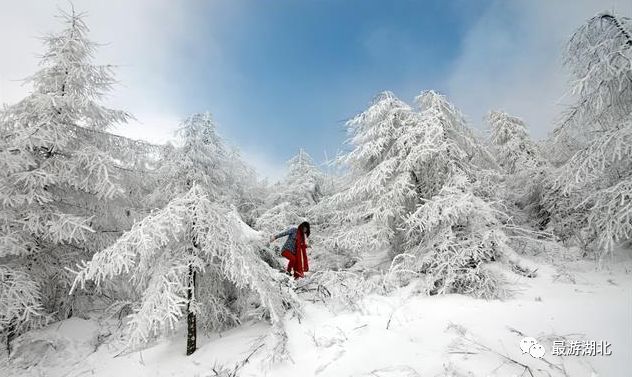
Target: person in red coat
(295, 249)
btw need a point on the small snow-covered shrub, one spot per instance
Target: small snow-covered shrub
(338, 289)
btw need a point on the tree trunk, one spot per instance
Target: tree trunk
(191, 320)
(10, 332)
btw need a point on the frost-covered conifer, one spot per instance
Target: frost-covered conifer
(398, 159)
(590, 197)
(452, 237)
(524, 167)
(20, 303)
(247, 191)
(195, 256)
(59, 180)
(192, 233)
(290, 200)
(200, 158)
(363, 216)
(304, 181)
(598, 57)
(416, 177)
(512, 146)
(454, 230)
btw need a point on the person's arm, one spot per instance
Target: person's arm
(282, 234)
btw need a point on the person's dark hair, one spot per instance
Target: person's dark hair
(305, 226)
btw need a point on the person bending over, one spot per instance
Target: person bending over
(295, 249)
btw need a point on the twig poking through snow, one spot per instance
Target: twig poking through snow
(465, 339)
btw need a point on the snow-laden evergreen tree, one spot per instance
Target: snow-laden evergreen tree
(20, 303)
(201, 158)
(204, 153)
(304, 180)
(363, 216)
(290, 200)
(417, 187)
(523, 165)
(451, 238)
(61, 174)
(590, 199)
(513, 148)
(598, 57)
(455, 230)
(195, 256)
(248, 192)
(392, 168)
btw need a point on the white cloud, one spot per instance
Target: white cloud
(265, 166)
(152, 127)
(511, 59)
(145, 38)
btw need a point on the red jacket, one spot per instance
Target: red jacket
(297, 262)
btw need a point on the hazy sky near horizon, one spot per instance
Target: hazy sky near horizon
(285, 74)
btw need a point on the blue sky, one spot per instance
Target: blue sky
(284, 74)
(291, 72)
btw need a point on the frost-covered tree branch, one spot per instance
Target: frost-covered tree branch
(587, 197)
(158, 251)
(64, 178)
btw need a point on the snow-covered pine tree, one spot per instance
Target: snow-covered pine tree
(362, 218)
(304, 180)
(61, 196)
(590, 198)
(598, 57)
(194, 256)
(290, 200)
(20, 303)
(248, 192)
(392, 168)
(201, 157)
(524, 168)
(416, 188)
(513, 148)
(454, 230)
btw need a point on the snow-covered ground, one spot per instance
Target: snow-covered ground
(403, 334)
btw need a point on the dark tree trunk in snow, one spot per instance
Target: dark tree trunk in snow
(191, 322)
(10, 332)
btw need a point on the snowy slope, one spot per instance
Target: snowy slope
(400, 335)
